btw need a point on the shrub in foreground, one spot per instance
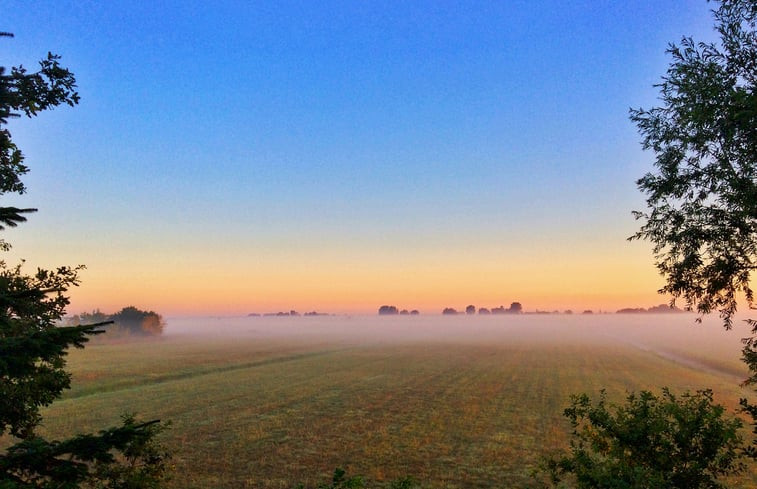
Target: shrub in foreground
(661, 442)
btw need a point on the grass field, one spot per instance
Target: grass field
(454, 402)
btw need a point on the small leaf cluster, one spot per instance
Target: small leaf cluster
(30, 94)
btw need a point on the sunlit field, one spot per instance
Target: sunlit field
(454, 402)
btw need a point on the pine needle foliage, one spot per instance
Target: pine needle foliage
(33, 346)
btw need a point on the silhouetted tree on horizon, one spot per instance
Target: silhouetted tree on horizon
(138, 322)
(128, 321)
(387, 310)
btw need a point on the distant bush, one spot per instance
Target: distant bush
(129, 321)
(388, 310)
(138, 322)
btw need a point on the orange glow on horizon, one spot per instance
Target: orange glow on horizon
(356, 285)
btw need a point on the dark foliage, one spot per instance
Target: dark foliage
(128, 321)
(664, 442)
(127, 457)
(33, 347)
(702, 199)
(388, 310)
(136, 321)
(27, 93)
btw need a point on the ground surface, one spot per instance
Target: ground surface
(454, 402)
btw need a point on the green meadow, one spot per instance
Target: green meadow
(454, 402)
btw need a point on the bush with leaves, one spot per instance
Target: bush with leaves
(650, 442)
(137, 322)
(33, 348)
(129, 321)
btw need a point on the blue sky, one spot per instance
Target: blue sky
(242, 138)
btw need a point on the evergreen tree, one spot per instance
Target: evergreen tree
(32, 345)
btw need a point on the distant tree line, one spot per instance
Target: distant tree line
(129, 321)
(515, 308)
(661, 309)
(392, 310)
(291, 313)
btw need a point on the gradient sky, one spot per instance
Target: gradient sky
(230, 157)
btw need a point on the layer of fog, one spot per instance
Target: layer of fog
(460, 327)
(676, 337)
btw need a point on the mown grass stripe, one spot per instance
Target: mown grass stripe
(170, 377)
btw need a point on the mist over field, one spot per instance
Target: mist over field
(677, 337)
(454, 401)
